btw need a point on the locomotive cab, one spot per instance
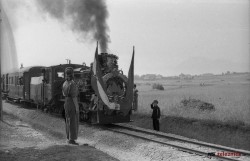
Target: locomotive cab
(54, 78)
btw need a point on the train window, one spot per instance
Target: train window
(20, 80)
(60, 75)
(16, 82)
(77, 76)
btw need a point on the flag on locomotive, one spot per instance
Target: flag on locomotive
(114, 95)
(98, 84)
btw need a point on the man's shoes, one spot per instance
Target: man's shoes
(73, 142)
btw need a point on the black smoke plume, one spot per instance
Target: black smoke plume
(85, 17)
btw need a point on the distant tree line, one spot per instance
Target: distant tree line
(182, 76)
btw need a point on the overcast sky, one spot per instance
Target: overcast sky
(170, 36)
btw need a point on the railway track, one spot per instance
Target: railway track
(183, 144)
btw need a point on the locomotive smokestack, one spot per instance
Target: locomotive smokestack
(86, 17)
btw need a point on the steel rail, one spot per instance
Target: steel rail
(185, 149)
(165, 135)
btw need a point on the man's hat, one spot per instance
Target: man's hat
(69, 72)
(155, 101)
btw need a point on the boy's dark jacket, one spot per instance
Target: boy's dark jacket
(156, 112)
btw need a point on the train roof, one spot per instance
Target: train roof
(26, 69)
(85, 68)
(75, 65)
(22, 70)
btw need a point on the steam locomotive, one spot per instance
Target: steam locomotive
(105, 93)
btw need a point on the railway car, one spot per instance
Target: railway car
(51, 99)
(37, 85)
(17, 85)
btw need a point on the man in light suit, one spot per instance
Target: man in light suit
(70, 91)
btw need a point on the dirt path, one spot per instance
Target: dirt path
(19, 141)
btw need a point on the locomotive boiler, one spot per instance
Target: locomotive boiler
(106, 94)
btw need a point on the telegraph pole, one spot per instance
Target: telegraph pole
(1, 104)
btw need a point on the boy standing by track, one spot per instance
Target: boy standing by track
(156, 115)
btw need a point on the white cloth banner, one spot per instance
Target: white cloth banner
(104, 97)
(36, 80)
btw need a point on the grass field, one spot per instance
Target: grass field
(230, 94)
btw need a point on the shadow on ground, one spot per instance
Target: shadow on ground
(56, 152)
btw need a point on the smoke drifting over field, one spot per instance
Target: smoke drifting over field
(85, 17)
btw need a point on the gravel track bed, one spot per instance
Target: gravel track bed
(119, 146)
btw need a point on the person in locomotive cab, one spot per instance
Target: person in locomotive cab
(135, 101)
(156, 115)
(70, 91)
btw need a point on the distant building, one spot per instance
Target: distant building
(148, 77)
(207, 74)
(159, 76)
(186, 76)
(137, 77)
